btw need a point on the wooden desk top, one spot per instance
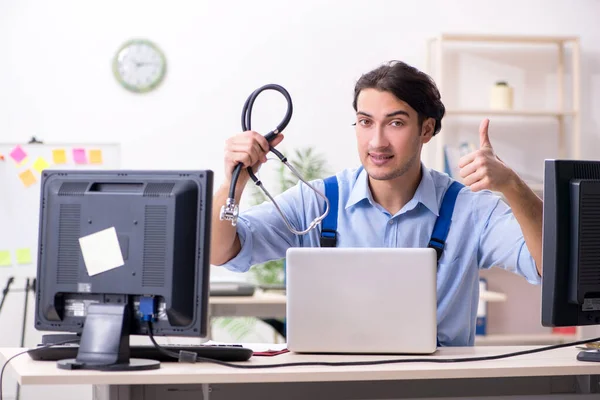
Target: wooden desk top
(259, 298)
(549, 363)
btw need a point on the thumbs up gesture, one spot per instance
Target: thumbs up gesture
(482, 169)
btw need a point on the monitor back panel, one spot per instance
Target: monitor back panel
(161, 226)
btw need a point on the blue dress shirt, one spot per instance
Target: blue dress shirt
(484, 233)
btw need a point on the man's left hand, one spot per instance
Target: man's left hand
(482, 169)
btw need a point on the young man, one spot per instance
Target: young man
(393, 200)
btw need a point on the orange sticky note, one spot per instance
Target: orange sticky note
(27, 178)
(95, 156)
(59, 156)
(40, 164)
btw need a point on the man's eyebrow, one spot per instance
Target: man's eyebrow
(392, 114)
(399, 112)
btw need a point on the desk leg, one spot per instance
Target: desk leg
(112, 392)
(152, 392)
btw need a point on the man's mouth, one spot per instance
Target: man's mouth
(381, 156)
(380, 159)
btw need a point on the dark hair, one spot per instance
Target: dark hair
(408, 84)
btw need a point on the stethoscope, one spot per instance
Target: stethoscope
(230, 211)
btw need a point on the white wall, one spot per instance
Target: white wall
(56, 80)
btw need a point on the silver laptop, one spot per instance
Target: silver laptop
(361, 300)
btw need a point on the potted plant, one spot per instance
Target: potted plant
(310, 165)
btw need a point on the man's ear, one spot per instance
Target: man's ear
(427, 129)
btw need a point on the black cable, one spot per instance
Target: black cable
(379, 362)
(24, 327)
(166, 352)
(247, 125)
(401, 360)
(27, 351)
(6, 290)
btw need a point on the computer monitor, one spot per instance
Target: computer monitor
(159, 223)
(571, 246)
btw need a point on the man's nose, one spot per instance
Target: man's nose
(378, 140)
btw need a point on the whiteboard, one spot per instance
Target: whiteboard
(20, 171)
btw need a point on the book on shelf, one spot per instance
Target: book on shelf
(481, 324)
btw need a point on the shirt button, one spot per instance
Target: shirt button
(391, 221)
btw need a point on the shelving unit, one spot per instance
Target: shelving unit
(487, 295)
(534, 339)
(436, 47)
(509, 113)
(565, 111)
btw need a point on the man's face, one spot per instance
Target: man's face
(388, 133)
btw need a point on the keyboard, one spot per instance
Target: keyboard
(220, 352)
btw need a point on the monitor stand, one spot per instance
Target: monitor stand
(104, 343)
(589, 355)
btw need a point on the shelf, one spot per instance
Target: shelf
(510, 113)
(491, 296)
(465, 37)
(567, 131)
(524, 339)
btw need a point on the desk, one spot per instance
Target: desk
(260, 305)
(273, 304)
(553, 372)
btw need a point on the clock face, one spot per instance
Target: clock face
(139, 66)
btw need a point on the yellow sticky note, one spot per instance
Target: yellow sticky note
(27, 178)
(59, 156)
(95, 156)
(23, 256)
(40, 164)
(5, 260)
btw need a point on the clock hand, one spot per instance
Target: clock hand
(139, 64)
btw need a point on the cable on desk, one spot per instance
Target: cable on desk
(182, 355)
(332, 364)
(31, 350)
(398, 360)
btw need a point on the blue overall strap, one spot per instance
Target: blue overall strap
(442, 224)
(329, 224)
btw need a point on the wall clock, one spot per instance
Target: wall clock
(139, 65)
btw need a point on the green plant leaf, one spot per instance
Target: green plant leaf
(238, 327)
(310, 165)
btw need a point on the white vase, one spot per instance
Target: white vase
(501, 97)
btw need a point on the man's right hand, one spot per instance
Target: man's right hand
(249, 148)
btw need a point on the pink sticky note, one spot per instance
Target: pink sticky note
(79, 156)
(18, 154)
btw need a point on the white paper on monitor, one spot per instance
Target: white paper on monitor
(101, 251)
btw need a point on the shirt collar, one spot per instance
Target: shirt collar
(360, 188)
(425, 193)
